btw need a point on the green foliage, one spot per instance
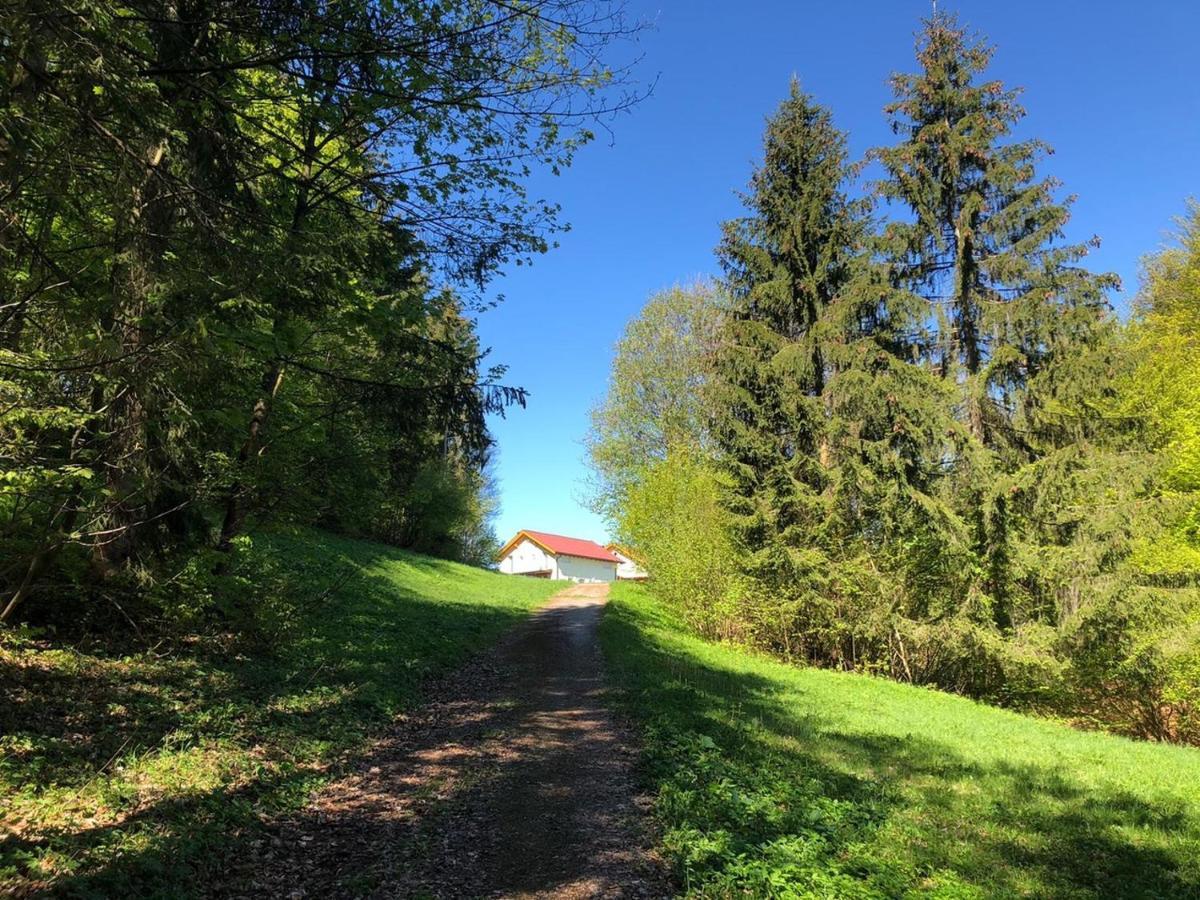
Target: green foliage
(940, 456)
(1009, 302)
(658, 394)
(1015, 325)
(1163, 389)
(649, 450)
(1135, 653)
(239, 247)
(776, 781)
(786, 264)
(835, 443)
(674, 515)
(130, 769)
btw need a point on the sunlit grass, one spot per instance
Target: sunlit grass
(138, 773)
(778, 781)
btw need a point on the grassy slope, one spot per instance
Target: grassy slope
(136, 774)
(777, 781)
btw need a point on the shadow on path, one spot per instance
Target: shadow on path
(514, 781)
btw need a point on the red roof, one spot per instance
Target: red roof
(561, 545)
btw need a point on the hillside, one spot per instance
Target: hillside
(137, 771)
(772, 780)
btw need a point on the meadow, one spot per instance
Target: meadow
(777, 781)
(137, 768)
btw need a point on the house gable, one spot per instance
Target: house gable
(558, 557)
(526, 557)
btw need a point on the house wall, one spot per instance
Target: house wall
(627, 568)
(576, 568)
(528, 557)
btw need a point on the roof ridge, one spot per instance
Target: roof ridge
(556, 534)
(563, 544)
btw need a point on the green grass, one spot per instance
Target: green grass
(776, 781)
(139, 773)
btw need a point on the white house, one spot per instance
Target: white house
(560, 558)
(628, 568)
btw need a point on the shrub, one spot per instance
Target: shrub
(675, 519)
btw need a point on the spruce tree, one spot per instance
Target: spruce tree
(1015, 320)
(831, 438)
(1007, 297)
(784, 264)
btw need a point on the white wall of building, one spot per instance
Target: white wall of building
(627, 568)
(528, 557)
(576, 568)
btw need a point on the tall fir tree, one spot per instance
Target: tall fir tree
(784, 264)
(984, 246)
(1014, 317)
(830, 437)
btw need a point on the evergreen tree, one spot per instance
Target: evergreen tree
(829, 436)
(984, 247)
(1012, 314)
(784, 263)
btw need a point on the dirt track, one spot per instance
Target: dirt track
(514, 781)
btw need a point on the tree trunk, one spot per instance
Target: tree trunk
(38, 565)
(235, 512)
(124, 446)
(235, 507)
(968, 330)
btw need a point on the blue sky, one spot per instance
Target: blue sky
(1112, 86)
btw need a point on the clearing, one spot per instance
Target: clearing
(777, 781)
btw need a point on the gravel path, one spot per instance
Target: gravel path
(514, 781)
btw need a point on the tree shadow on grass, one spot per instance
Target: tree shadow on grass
(515, 780)
(136, 743)
(168, 848)
(756, 792)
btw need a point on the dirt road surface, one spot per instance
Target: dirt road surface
(515, 780)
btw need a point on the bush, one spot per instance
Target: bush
(675, 519)
(1135, 664)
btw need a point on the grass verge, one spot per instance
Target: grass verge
(139, 773)
(777, 781)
